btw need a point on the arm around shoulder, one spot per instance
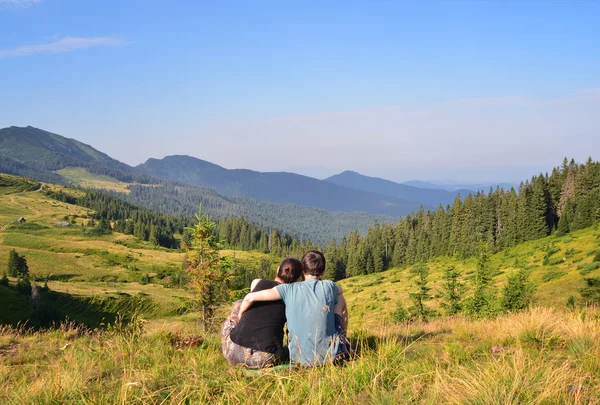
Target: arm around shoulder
(265, 295)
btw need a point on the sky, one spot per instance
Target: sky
(472, 91)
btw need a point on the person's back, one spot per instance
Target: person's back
(261, 327)
(311, 322)
(255, 339)
(316, 313)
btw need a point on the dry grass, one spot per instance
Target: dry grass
(540, 361)
(83, 178)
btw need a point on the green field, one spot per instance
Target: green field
(92, 267)
(81, 177)
(546, 355)
(379, 292)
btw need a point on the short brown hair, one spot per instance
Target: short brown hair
(313, 263)
(289, 270)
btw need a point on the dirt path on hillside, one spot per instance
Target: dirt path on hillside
(12, 200)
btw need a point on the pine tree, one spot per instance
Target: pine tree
(518, 291)
(154, 235)
(454, 289)
(482, 301)
(13, 263)
(419, 310)
(17, 265)
(23, 268)
(564, 222)
(186, 239)
(208, 271)
(540, 211)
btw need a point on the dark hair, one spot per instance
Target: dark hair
(289, 270)
(313, 263)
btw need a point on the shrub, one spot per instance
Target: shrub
(518, 291)
(588, 267)
(571, 302)
(571, 252)
(551, 275)
(94, 232)
(590, 293)
(4, 280)
(400, 315)
(593, 252)
(552, 261)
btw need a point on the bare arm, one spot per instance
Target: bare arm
(265, 295)
(341, 309)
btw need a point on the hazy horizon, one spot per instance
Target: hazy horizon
(471, 92)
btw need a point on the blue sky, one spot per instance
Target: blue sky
(471, 91)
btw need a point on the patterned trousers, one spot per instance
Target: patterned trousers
(239, 355)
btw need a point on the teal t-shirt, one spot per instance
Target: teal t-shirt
(309, 309)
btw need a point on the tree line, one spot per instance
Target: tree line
(159, 229)
(565, 200)
(112, 213)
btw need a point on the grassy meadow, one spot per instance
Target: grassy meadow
(82, 177)
(106, 266)
(542, 356)
(546, 355)
(568, 260)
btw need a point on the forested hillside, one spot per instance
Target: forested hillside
(44, 156)
(36, 153)
(306, 222)
(565, 200)
(281, 187)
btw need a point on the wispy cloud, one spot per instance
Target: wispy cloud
(66, 44)
(19, 3)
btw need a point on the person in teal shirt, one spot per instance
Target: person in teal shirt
(316, 313)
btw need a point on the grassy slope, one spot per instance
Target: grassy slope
(539, 357)
(75, 264)
(380, 292)
(83, 178)
(14, 184)
(541, 353)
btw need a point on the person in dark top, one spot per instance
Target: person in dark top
(256, 339)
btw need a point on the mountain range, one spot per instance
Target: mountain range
(291, 201)
(453, 186)
(281, 187)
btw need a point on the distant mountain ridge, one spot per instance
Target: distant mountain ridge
(319, 209)
(428, 197)
(28, 150)
(460, 186)
(277, 187)
(38, 154)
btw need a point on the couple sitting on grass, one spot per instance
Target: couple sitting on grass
(315, 311)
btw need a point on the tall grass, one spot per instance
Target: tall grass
(541, 356)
